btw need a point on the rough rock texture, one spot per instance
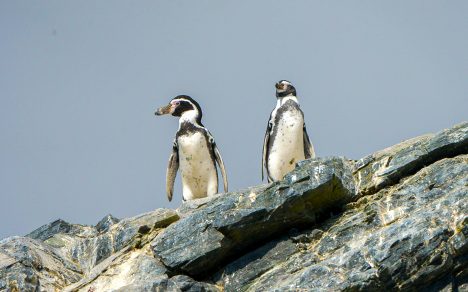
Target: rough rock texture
(60, 255)
(403, 237)
(394, 220)
(388, 166)
(229, 224)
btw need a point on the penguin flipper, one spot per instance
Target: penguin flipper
(266, 140)
(220, 162)
(309, 151)
(171, 172)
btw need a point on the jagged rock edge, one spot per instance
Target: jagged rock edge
(428, 158)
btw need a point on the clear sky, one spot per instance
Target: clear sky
(80, 80)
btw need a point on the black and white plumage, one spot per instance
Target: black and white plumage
(286, 141)
(194, 152)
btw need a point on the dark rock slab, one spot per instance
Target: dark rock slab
(180, 283)
(238, 274)
(106, 223)
(225, 226)
(411, 237)
(387, 167)
(60, 226)
(185, 283)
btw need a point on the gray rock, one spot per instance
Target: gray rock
(394, 220)
(185, 283)
(406, 237)
(229, 224)
(106, 223)
(126, 268)
(387, 167)
(180, 283)
(61, 256)
(30, 265)
(94, 247)
(61, 227)
(241, 272)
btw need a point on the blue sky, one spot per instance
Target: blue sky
(79, 83)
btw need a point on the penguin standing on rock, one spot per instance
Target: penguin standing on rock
(194, 152)
(286, 141)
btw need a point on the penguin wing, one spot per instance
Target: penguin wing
(266, 140)
(219, 159)
(171, 172)
(220, 162)
(309, 151)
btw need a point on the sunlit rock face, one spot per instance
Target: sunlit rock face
(406, 236)
(394, 220)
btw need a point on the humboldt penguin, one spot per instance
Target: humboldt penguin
(194, 152)
(286, 141)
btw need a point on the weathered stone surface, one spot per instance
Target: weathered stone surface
(175, 284)
(241, 272)
(387, 167)
(106, 223)
(404, 237)
(59, 226)
(395, 220)
(77, 252)
(90, 249)
(126, 268)
(30, 265)
(228, 224)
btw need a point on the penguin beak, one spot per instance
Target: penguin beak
(168, 109)
(279, 86)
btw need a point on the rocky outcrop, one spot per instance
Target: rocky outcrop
(387, 167)
(229, 224)
(402, 237)
(394, 220)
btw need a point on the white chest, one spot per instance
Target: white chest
(287, 146)
(193, 151)
(196, 166)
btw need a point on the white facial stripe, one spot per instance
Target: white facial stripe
(189, 116)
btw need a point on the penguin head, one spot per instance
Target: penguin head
(182, 106)
(284, 88)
